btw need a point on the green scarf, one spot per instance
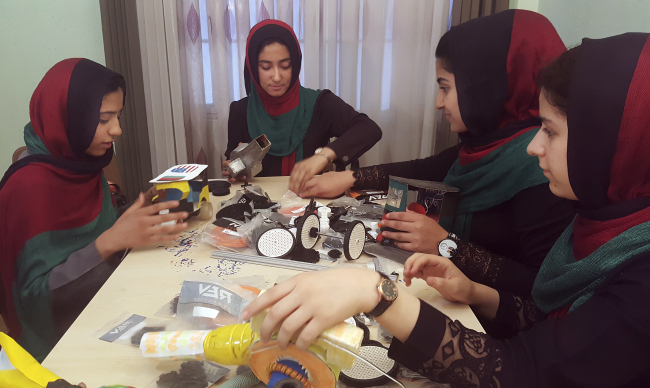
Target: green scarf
(38, 257)
(492, 180)
(286, 131)
(563, 280)
(33, 142)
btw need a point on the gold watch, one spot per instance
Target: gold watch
(319, 151)
(387, 294)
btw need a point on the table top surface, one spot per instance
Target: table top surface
(150, 277)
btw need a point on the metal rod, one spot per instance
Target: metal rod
(268, 261)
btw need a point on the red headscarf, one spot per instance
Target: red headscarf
(609, 138)
(58, 187)
(262, 31)
(496, 61)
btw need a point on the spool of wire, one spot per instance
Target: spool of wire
(288, 374)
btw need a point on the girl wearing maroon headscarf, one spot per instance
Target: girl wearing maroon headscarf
(60, 231)
(588, 321)
(298, 121)
(507, 219)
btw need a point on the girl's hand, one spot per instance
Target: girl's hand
(151, 193)
(440, 273)
(418, 233)
(140, 226)
(312, 302)
(225, 173)
(328, 185)
(306, 170)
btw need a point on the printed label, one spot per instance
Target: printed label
(125, 326)
(213, 294)
(205, 312)
(174, 344)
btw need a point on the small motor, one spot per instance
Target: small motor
(246, 159)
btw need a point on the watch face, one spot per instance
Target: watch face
(389, 290)
(447, 247)
(318, 150)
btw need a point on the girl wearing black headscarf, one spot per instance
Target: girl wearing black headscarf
(298, 121)
(587, 323)
(506, 219)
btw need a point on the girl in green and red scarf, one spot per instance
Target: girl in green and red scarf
(298, 121)
(60, 230)
(588, 322)
(506, 219)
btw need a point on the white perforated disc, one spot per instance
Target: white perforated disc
(354, 241)
(378, 356)
(275, 243)
(311, 221)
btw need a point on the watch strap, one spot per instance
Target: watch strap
(320, 152)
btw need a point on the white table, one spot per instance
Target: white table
(150, 277)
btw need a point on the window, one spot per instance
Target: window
(254, 9)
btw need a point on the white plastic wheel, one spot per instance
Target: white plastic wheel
(306, 239)
(276, 242)
(205, 211)
(355, 238)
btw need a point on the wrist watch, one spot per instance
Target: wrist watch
(387, 290)
(319, 151)
(447, 247)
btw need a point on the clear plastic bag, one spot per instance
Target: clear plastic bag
(368, 211)
(128, 329)
(344, 202)
(223, 238)
(256, 190)
(191, 374)
(250, 231)
(333, 241)
(291, 204)
(206, 304)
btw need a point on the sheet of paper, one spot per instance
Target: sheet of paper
(182, 172)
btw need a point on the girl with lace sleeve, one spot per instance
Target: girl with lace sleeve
(588, 325)
(506, 215)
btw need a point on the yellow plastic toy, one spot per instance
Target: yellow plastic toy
(317, 367)
(28, 373)
(193, 195)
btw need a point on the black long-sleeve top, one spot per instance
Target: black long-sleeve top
(355, 132)
(508, 242)
(603, 343)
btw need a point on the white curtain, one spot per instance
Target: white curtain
(377, 55)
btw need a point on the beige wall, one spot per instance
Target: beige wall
(34, 35)
(576, 19)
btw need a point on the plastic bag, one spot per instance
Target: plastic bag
(292, 204)
(368, 211)
(249, 231)
(191, 374)
(256, 190)
(253, 283)
(223, 237)
(210, 303)
(344, 202)
(333, 241)
(128, 329)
